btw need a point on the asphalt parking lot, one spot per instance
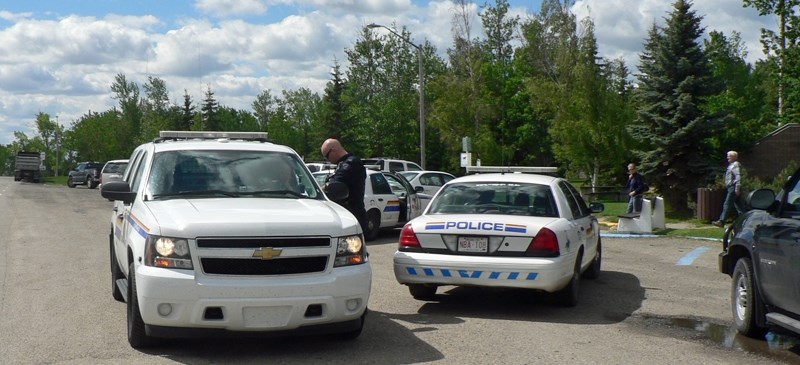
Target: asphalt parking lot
(659, 300)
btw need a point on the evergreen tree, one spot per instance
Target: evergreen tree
(187, 112)
(333, 123)
(209, 111)
(671, 125)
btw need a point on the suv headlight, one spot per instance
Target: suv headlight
(350, 250)
(167, 252)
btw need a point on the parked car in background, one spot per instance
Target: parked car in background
(112, 171)
(512, 230)
(320, 166)
(86, 173)
(759, 252)
(391, 165)
(389, 199)
(429, 181)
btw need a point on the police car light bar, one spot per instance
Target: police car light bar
(508, 169)
(250, 136)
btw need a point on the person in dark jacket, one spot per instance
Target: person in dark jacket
(636, 187)
(350, 171)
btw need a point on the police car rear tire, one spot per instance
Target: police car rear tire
(568, 297)
(373, 225)
(422, 291)
(593, 272)
(137, 336)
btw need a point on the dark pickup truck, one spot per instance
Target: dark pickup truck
(86, 173)
(760, 250)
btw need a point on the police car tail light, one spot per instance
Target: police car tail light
(544, 244)
(167, 252)
(350, 250)
(408, 238)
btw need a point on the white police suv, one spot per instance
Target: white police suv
(225, 232)
(514, 230)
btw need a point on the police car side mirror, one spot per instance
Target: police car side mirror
(595, 207)
(118, 190)
(337, 190)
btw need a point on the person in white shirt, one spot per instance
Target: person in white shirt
(733, 184)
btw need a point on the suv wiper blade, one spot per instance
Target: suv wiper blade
(199, 192)
(290, 192)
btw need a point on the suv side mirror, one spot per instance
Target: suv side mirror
(118, 190)
(419, 189)
(761, 199)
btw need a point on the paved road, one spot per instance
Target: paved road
(56, 306)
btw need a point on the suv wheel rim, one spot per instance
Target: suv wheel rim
(741, 297)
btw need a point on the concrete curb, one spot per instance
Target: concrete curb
(642, 235)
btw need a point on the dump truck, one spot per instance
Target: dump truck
(29, 166)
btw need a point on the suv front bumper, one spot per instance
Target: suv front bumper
(177, 299)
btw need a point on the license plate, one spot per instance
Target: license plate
(473, 244)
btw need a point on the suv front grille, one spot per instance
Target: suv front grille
(256, 242)
(285, 266)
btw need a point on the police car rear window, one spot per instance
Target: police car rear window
(495, 198)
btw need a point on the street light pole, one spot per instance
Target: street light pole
(58, 144)
(421, 91)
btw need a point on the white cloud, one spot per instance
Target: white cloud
(225, 8)
(621, 34)
(363, 6)
(65, 66)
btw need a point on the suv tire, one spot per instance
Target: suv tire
(745, 300)
(70, 183)
(137, 336)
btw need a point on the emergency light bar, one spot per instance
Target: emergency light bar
(247, 136)
(509, 169)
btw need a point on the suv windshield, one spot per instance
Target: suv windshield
(229, 173)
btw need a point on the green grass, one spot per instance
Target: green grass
(694, 227)
(56, 180)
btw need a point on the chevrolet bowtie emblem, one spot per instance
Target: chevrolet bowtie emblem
(267, 253)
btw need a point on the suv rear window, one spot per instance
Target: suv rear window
(115, 167)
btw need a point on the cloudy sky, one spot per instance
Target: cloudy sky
(60, 57)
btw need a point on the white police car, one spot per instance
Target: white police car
(502, 230)
(389, 200)
(215, 233)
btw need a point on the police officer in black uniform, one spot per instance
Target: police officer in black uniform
(351, 172)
